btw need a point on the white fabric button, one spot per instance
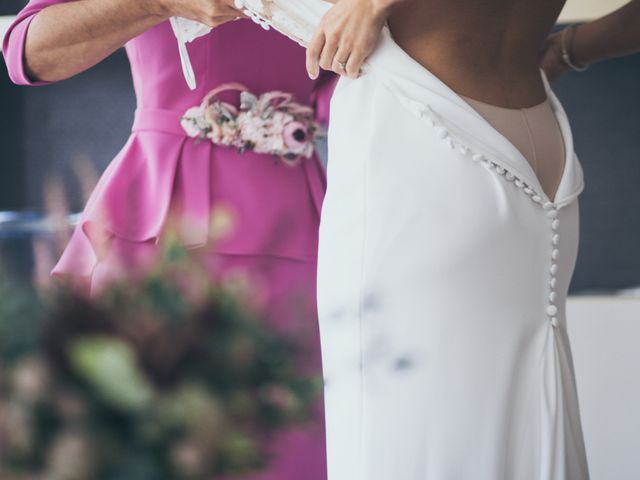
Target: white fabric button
(536, 198)
(552, 282)
(555, 239)
(554, 268)
(477, 157)
(555, 223)
(509, 176)
(441, 132)
(552, 213)
(488, 165)
(500, 170)
(552, 310)
(554, 253)
(548, 206)
(528, 191)
(554, 322)
(552, 296)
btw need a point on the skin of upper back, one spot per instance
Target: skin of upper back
(489, 50)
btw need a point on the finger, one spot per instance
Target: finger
(328, 53)
(356, 59)
(341, 59)
(313, 53)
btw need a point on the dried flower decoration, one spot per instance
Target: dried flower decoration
(272, 123)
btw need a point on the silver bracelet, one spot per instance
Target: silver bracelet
(566, 57)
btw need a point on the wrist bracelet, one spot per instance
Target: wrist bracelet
(566, 57)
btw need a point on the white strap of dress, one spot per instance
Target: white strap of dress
(187, 31)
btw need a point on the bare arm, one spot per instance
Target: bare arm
(611, 36)
(68, 38)
(614, 35)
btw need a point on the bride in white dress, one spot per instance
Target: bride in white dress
(445, 255)
(445, 261)
(443, 275)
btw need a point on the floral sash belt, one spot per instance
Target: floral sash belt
(271, 123)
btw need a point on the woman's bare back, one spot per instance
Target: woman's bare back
(488, 50)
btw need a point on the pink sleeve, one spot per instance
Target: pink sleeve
(14, 41)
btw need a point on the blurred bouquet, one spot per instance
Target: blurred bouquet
(171, 376)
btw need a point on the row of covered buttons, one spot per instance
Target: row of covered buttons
(550, 207)
(552, 310)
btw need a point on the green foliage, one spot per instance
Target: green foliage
(21, 315)
(109, 365)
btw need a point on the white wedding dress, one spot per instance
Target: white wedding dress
(443, 275)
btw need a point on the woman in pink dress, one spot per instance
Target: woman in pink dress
(161, 170)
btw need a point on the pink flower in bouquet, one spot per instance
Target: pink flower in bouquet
(190, 458)
(280, 396)
(31, 379)
(297, 138)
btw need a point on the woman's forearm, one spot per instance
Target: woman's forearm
(611, 36)
(68, 38)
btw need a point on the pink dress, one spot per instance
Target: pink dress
(160, 170)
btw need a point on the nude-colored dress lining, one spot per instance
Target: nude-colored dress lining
(535, 132)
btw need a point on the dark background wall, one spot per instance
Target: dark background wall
(11, 171)
(44, 130)
(603, 105)
(86, 118)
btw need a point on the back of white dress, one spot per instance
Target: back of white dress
(443, 275)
